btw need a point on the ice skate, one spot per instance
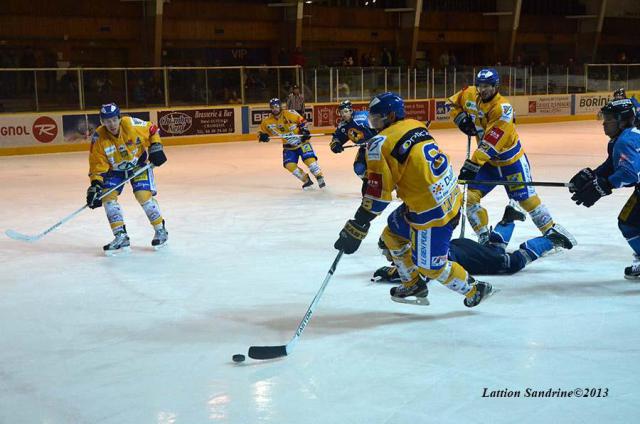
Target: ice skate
(160, 238)
(633, 272)
(119, 245)
(415, 294)
(513, 212)
(308, 183)
(560, 237)
(483, 291)
(321, 182)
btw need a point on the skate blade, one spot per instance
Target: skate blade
(632, 278)
(120, 252)
(160, 246)
(488, 295)
(412, 300)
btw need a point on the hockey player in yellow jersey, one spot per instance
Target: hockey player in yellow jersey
(480, 111)
(289, 125)
(118, 148)
(405, 158)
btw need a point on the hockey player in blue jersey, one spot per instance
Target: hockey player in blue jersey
(620, 169)
(353, 126)
(492, 258)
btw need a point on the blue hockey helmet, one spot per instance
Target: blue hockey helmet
(382, 105)
(275, 102)
(488, 76)
(109, 110)
(621, 109)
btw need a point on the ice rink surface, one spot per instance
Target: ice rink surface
(148, 338)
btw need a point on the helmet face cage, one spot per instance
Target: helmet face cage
(273, 104)
(619, 94)
(345, 110)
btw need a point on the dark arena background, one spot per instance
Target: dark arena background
(219, 249)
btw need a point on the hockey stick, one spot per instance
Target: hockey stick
(278, 137)
(463, 212)
(518, 183)
(24, 237)
(272, 352)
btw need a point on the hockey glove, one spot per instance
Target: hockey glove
(592, 192)
(465, 123)
(581, 179)
(469, 171)
(306, 135)
(351, 236)
(336, 146)
(156, 154)
(263, 138)
(93, 194)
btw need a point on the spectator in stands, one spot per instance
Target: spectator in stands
(386, 59)
(444, 59)
(295, 100)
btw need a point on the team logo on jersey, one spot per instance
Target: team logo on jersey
(493, 136)
(374, 151)
(374, 185)
(355, 135)
(507, 112)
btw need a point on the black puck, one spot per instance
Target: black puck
(238, 357)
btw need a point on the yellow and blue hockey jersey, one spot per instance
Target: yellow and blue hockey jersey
(498, 140)
(288, 122)
(404, 157)
(124, 151)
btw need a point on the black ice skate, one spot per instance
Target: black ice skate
(415, 294)
(387, 274)
(513, 212)
(560, 237)
(160, 238)
(120, 244)
(308, 183)
(321, 182)
(483, 291)
(633, 272)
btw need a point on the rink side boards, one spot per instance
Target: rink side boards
(69, 131)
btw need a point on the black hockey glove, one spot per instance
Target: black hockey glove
(351, 236)
(581, 179)
(306, 135)
(387, 274)
(93, 194)
(465, 123)
(156, 154)
(469, 171)
(592, 192)
(336, 146)
(263, 138)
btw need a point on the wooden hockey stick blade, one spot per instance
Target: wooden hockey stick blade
(21, 237)
(267, 352)
(518, 183)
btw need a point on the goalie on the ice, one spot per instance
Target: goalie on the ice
(491, 258)
(620, 169)
(119, 147)
(404, 157)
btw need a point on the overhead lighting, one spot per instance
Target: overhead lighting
(308, 1)
(366, 3)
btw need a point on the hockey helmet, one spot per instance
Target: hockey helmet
(621, 109)
(275, 102)
(109, 110)
(488, 76)
(619, 94)
(345, 104)
(381, 106)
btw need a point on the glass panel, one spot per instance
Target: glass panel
(17, 92)
(288, 78)
(349, 84)
(633, 73)
(373, 82)
(58, 90)
(103, 86)
(187, 87)
(597, 78)
(146, 87)
(324, 82)
(224, 86)
(260, 84)
(619, 77)
(557, 79)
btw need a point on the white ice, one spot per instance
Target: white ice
(148, 338)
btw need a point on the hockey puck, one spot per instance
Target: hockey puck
(238, 357)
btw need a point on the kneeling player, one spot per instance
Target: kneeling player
(114, 156)
(404, 157)
(620, 169)
(491, 258)
(353, 126)
(295, 138)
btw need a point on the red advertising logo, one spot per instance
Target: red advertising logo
(45, 129)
